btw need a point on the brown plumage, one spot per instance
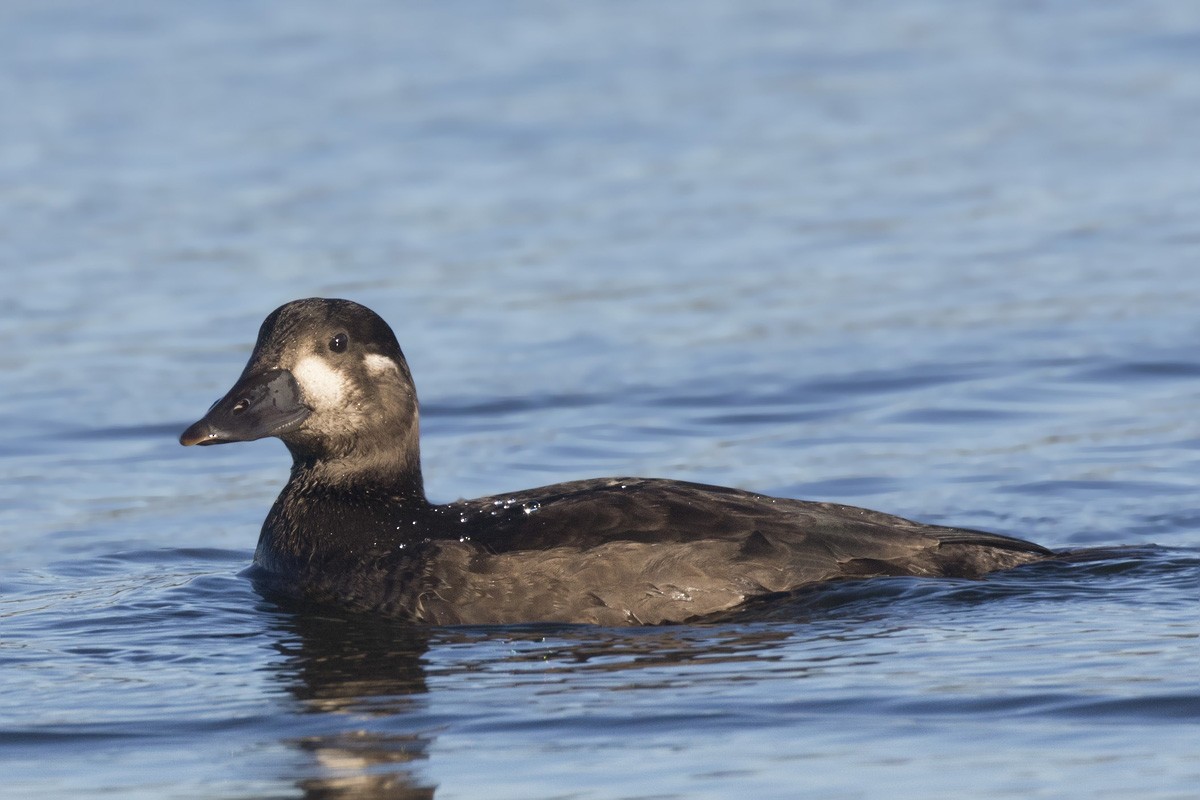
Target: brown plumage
(353, 527)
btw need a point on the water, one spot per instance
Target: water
(929, 258)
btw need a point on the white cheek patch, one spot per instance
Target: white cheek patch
(322, 385)
(379, 366)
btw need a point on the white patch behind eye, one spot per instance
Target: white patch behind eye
(378, 365)
(322, 385)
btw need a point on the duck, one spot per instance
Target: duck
(353, 528)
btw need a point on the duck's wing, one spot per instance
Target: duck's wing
(631, 550)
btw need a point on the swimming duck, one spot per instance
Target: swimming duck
(353, 527)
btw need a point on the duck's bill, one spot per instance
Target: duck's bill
(260, 405)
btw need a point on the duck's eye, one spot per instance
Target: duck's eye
(339, 343)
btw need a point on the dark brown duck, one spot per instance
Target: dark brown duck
(353, 527)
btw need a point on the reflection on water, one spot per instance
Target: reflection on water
(356, 669)
(333, 662)
(371, 678)
(364, 765)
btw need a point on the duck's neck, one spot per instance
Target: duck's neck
(398, 480)
(372, 460)
(340, 509)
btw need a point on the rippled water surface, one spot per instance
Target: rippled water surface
(934, 258)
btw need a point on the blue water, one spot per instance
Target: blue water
(933, 258)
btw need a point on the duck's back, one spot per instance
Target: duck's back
(637, 551)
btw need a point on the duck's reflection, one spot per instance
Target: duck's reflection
(369, 674)
(366, 679)
(365, 765)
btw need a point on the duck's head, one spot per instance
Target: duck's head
(329, 379)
